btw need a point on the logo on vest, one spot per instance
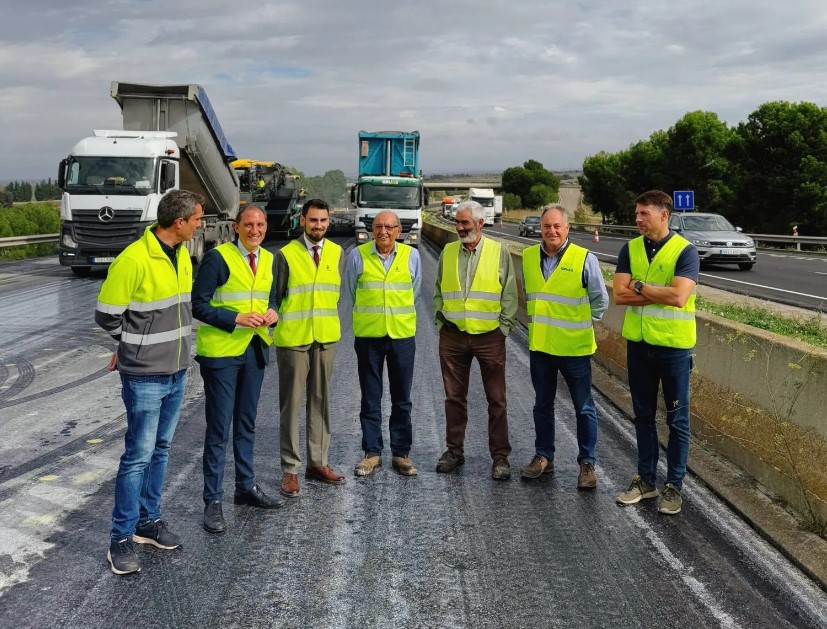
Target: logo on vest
(567, 268)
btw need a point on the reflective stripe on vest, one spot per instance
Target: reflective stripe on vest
(243, 292)
(157, 314)
(479, 312)
(384, 304)
(559, 313)
(656, 324)
(308, 311)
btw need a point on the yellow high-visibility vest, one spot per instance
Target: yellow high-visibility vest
(308, 311)
(479, 312)
(384, 304)
(153, 297)
(656, 324)
(559, 313)
(243, 292)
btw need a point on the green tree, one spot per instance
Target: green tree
(6, 198)
(694, 158)
(532, 183)
(780, 169)
(602, 186)
(330, 187)
(46, 191)
(511, 202)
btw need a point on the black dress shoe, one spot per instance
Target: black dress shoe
(214, 517)
(257, 498)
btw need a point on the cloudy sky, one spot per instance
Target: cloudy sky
(488, 84)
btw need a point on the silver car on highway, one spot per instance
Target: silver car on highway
(717, 240)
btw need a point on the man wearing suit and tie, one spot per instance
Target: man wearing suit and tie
(233, 297)
(308, 284)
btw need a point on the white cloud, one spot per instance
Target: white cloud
(488, 85)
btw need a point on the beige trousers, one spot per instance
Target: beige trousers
(308, 367)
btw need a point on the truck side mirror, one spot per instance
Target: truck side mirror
(167, 176)
(61, 174)
(353, 195)
(426, 196)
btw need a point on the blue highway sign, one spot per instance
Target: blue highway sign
(683, 199)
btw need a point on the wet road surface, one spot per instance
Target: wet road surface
(431, 551)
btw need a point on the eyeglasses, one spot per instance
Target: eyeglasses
(385, 228)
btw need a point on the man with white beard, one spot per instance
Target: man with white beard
(475, 306)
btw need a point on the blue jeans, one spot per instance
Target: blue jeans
(152, 407)
(371, 355)
(649, 365)
(577, 372)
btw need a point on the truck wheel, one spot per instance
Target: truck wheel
(81, 271)
(196, 249)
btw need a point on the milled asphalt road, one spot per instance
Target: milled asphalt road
(431, 551)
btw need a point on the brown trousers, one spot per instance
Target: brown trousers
(456, 351)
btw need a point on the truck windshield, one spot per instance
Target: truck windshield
(484, 201)
(403, 197)
(111, 175)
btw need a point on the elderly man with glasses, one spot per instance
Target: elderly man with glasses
(383, 278)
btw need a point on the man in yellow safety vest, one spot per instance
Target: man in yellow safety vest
(475, 306)
(565, 293)
(655, 279)
(308, 283)
(234, 298)
(383, 278)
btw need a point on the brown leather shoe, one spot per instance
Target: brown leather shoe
(289, 485)
(325, 474)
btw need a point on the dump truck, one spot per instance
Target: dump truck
(389, 179)
(270, 186)
(112, 181)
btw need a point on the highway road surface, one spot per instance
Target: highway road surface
(784, 277)
(431, 551)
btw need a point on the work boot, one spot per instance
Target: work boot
(449, 462)
(404, 466)
(670, 501)
(587, 478)
(500, 469)
(539, 465)
(638, 490)
(368, 464)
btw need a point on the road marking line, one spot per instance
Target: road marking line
(782, 290)
(48, 477)
(799, 587)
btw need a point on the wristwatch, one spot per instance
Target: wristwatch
(638, 287)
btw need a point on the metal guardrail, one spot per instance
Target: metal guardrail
(631, 229)
(18, 241)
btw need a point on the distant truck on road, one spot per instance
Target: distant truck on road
(389, 179)
(485, 197)
(112, 181)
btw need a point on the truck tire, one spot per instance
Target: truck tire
(196, 248)
(81, 271)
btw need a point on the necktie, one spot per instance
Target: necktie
(253, 262)
(316, 255)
